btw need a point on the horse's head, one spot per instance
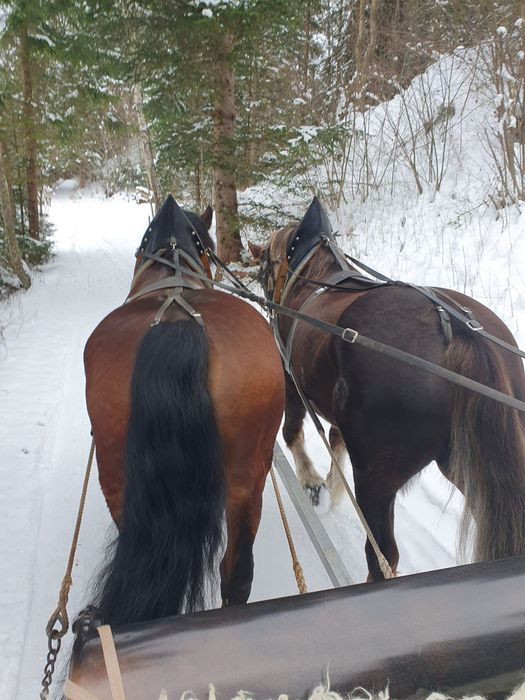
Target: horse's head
(288, 248)
(271, 259)
(174, 227)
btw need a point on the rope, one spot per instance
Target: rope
(297, 568)
(59, 615)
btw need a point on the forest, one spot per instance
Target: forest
(405, 117)
(222, 101)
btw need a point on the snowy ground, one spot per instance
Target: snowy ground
(450, 238)
(44, 432)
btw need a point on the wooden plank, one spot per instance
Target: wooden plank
(322, 543)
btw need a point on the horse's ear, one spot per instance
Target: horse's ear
(207, 217)
(256, 251)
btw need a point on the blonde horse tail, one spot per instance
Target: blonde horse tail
(487, 460)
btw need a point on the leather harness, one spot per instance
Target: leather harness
(287, 276)
(176, 283)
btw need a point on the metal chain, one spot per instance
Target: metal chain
(59, 616)
(54, 647)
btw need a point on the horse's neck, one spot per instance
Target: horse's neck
(320, 268)
(148, 273)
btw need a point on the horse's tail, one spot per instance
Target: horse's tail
(171, 526)
(487, 459)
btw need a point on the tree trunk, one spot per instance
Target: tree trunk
(365, 49)
(197, 188)
(307, 30)
(8, 216)
(146, 151)
(224, 185)
(30, 138)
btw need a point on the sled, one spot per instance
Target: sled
(457, 631)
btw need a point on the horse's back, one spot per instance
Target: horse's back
(245, 377)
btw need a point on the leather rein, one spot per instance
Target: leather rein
(350, 335)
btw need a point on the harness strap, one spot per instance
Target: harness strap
(436, 296)
(160, 313)
(334, 279)
(288, 284)
(194, 272)
(336, 251)
(167, 283)
(287, 354)
(349, 335)
(237, 282)
(178, 299)
(175, 282)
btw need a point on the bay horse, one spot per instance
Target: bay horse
(393, 419)
(185, 393)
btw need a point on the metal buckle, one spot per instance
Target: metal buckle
(349, 335)
(474, 325)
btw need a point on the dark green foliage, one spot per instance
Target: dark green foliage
(35, 253)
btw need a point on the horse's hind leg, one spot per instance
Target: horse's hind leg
(293, 434)
(376, 501)
(334, 481)
(243, 515)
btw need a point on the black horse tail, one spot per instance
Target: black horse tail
(171, 526)
(488, 452)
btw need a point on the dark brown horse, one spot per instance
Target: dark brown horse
(394, 419)
(185, 392)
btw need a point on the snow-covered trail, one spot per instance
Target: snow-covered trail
(44, 433)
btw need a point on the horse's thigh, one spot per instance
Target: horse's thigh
(111, 478)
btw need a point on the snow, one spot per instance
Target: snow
(44, 431)
(450, 237)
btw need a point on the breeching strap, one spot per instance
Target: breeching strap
(438, 297)
(59, 615)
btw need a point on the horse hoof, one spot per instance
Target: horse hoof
(313, 491)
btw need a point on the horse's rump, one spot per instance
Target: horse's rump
(393, 418)
(185, 393)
